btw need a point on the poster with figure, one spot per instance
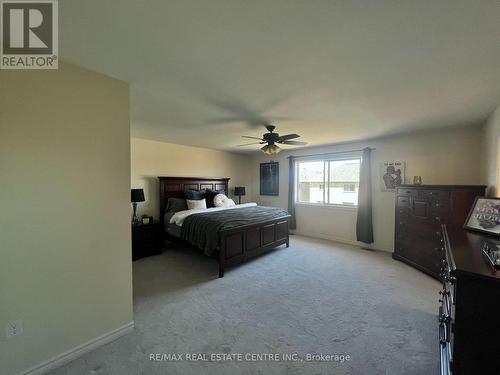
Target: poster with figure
(392, 174)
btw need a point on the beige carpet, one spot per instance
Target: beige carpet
(314, 297)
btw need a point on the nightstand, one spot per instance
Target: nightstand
(147, 240)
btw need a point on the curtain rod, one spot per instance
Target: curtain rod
(330, 153)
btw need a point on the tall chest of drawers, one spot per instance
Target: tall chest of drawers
(469, 304)
(420, 212)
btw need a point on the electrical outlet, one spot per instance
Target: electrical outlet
(14, 328)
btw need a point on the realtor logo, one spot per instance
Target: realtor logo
(29, 34)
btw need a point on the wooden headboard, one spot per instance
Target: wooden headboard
(174, 187)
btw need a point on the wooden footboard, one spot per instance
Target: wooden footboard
(239, 244)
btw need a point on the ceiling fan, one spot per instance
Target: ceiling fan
(271, 138)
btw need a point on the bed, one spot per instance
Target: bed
(242, 234)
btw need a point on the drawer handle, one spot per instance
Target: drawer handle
(442, 338)
(445, 277)
(443, 318)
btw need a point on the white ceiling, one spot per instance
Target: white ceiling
(332, 71)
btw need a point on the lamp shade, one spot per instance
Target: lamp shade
(137, 195)
(270, 149)
(239, 191)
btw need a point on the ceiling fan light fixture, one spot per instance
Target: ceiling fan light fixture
(270, 149)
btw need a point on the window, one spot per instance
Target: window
(328, 181)
(349, 188)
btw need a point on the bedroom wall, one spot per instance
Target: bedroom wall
(65, 266)
(151, 159)
(491, 154)
(444, 156)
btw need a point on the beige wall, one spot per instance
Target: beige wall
(444, 156)
(491, 153)
(151, 159)
(65, 266)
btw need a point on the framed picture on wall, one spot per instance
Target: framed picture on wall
(484, 216)
(269, 178)
(392, 174)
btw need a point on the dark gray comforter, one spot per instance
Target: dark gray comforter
(202, 230)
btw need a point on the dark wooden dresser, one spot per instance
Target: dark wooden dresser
(469, 307)
(420, 211)
(147, 240)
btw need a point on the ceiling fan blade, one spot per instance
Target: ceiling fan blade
(288, 136)
(294, 143)
(240, 111)
(247, 136)
(225, 120)
(248, 144)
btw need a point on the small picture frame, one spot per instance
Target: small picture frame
(484, 216)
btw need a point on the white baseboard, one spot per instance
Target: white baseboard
(328, 237)
(339, 239)
(78, 351)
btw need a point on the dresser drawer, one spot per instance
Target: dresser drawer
(402, 212)
(438, 209)
(399, 248)
(440, 204)
(409, 192)
(438, 218)
(406, 248)
(402, 233)
(434, 194)
(418, 251)
(403, 201)
(418, 230)
(426, 236)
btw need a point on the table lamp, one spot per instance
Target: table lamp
(239, 191)
(137, 195)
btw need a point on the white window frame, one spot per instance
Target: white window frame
(326, 182)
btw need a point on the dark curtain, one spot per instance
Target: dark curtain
(364, 226)
(291, 191)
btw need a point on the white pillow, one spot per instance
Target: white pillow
(230, 203)
(196, 204)
(220, 200)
